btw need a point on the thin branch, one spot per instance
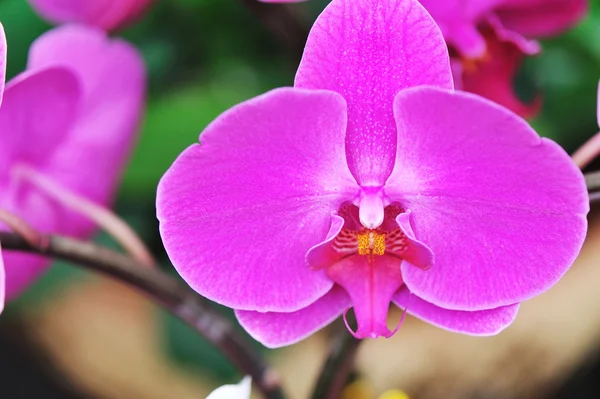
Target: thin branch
(167, 292)
(592, 181)
(101, 216)
(338, 366)
(587, 152)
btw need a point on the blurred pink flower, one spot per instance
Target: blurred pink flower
(105, 14)
(70, 119)
(371, 182)
(491, 37)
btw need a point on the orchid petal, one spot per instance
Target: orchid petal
(371, 281)
(275, 330)
(323, 254)
(541, 18)
(368, 51)
(21, 271)
(2, 61)
(239, 212)
(105, 14)
(503, 210)
(113, 79)
(38, 109)
(416, 253)
(482, 322)
(233, 391)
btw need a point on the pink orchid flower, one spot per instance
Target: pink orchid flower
(371, 182)
(69, 121)
(105, 14)
(491, 37)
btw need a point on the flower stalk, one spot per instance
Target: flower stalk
(165, 291)
(592, 181)
(337, 367)
(587, 152)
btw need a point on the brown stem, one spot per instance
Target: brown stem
(167, 292)
(338, 366)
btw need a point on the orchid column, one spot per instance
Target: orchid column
(371, 182)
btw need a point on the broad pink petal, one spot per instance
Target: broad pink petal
(482, 322)
(368, 51)
(280, 329)
(494, 76)
(112, 74)
(37, 112)
(541, 18)
(503, 210)
(239, 212)
(2, 61)
(371, 282)
(105, 14)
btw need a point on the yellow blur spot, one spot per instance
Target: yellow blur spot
(371, 243)
(359, 389)
(394, 394)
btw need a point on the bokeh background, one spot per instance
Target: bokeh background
(77, 335)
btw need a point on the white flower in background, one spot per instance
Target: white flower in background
(233, 391)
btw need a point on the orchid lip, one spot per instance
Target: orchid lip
(366, 261)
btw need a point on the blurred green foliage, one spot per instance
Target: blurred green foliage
(204, 56)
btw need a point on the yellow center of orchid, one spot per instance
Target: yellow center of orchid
(371, 243)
